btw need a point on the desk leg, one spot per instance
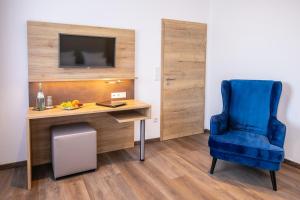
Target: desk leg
(142, 140)
(29, 169)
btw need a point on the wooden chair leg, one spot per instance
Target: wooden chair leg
(273, 179)
(213, 165)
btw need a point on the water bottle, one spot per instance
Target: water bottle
(40, 99)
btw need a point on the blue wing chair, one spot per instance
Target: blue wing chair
(247, 131)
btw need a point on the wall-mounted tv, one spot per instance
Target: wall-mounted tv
(86, 51)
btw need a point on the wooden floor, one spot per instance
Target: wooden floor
(175, 169)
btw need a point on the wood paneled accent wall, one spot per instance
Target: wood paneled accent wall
(43, 52)
(84, 84)
(84, 91)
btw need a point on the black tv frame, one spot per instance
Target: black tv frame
(86, 66)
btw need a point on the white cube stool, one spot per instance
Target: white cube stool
(74, 149)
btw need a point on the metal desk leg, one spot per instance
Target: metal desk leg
(142, 140)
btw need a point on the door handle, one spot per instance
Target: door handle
(170, 79)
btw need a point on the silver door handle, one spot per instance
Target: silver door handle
(170, 79)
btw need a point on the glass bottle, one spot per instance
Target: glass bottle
(40, 99)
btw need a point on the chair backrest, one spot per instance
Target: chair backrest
(250, 103)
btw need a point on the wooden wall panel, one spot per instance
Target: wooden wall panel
(84, 91)
(43, 52)
(111, 135)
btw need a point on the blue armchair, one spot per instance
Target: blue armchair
(247, 131)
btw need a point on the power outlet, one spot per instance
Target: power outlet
(155, 119)
(118, 95)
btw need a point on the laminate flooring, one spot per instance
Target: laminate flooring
(173, 169)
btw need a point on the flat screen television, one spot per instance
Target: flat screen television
(86, 51)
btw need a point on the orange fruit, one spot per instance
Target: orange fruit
(75, 103)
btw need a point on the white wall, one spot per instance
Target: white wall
(143, 16)
(258, 39)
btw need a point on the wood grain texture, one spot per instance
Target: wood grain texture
(43, 52)
(173, 169)
(111, 135)
(28, 152)
(128, 116)
(292, 163)
(89, 108)
(183, 78)
(13, 165)
(84, 91)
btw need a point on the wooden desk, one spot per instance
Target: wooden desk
(133, 110)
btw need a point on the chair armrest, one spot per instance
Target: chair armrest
(218, 124)
(276, 132)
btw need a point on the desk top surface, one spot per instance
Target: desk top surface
(88, 108)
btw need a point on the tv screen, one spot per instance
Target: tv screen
(86, 51)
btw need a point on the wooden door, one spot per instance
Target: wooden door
(183, 78)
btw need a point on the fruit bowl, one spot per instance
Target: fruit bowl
(71, 105)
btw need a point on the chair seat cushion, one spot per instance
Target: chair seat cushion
(246, 144)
